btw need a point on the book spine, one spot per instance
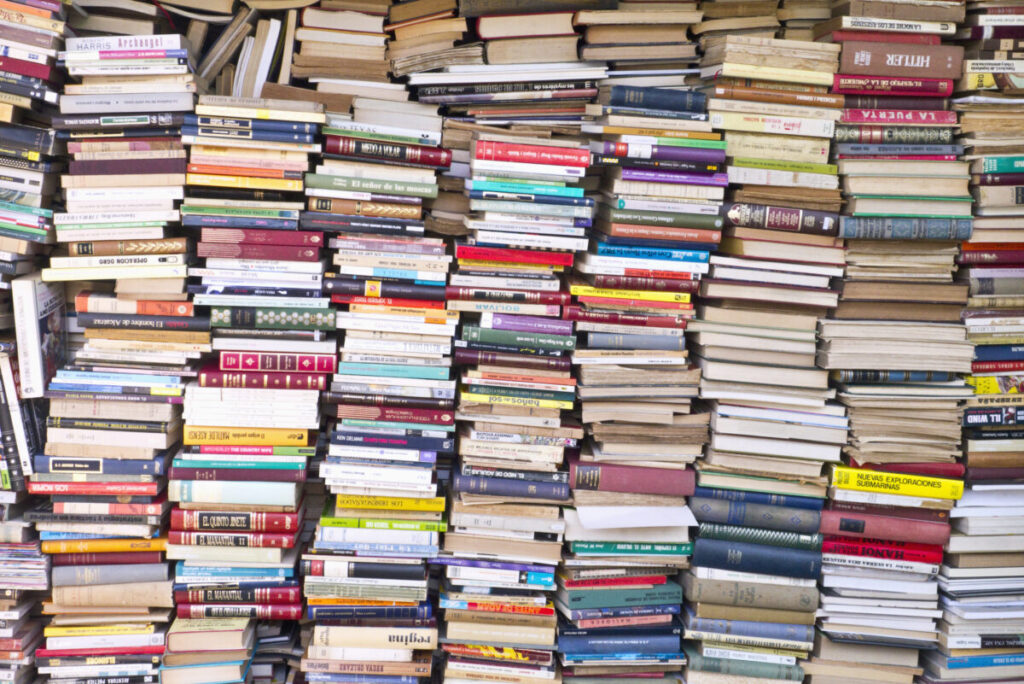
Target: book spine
(368, 207)
(474, 293)
(658, 98)
(788, 219)
(236, 474)
(228, 610)
(530, 154)
(858, 524)
(901, 60)
(621, 478)
(760, 535)
(900, 117)
(493, 486)
(620, 643)
(143, 322)
(81, 575)
(267, 595)
(464, 356)
(11, 477)
(764, 630)
(744, 668)
(729, 593)
(890, 102)
(896, 483)
(278, 362)
(755, 515)
(248, 522)
(111, 558)
(896, 228)
(761, 498)
(756, 558)
(240, 539)
(218, 378)
(414, 154)
(906, 135)
(852, 84)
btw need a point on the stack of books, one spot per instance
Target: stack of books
(237, 546)
(640, 37)
(424, 39)
(25, 574)
(754, 18)
(325, 33)
(30, 36)
(799, 17)
(209, 650)
(109, 604)
(379, 652)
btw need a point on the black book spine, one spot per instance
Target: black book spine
(10, 447)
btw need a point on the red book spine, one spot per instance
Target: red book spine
(999, 179)
(575, 313)
(278, 362)
(1004, 10)
(386, 301)
(616, 581)
(469, 357)
(24, 68)
(915, 553)
(955, 470)
(531, 154)
(906, 157)
(73, 652)
(527, 297)
(257, 610)
(395, 413)
(94, 488)
(639, 303)
(995, 474)
(607, 477)
(521, 256)
(112, 558)
(114, 509)
(926, 514)
(212, 377)
(271, 595)
(237, 474)
(848, 84)
(16, 643)
(269, 252)
(885, 37)
(234, 522)
(989, 366)
(900, 117)
(252, 540)
(1007, 256)
(259, 236)
(855, 524)
(412, 154)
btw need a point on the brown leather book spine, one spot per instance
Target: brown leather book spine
(901, 59)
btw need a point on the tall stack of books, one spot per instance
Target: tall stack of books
(236, 545)
(760, 487)
(896, 346)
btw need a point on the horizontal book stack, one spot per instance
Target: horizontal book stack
(638, 36)
(424, 36)
(324, 32)
(25, 573)
(799, 17)
(209, 650)
(105, 605)
(754, 18)
(383, 652)
(30, 36)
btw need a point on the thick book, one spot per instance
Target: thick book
(756, 558)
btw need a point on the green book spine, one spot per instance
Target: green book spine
(367, 135)
(362, 422)
(741, 668)
(609, 598)
(632, 547)
(661, 218)
(783, 165)
(687, 142)
(1003, 165)
(515, 392)
(472, 333)
(756, 535)
(328, 182)
(272, 318)
(236, 465)
(99, 226)
(381, 524)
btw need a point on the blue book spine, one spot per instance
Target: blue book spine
(421, 611)
(123, 378)
(200, 221)
(658, 98)
(756, 558)
(755, 515)
(182, 570)
(904, 228)
(640, 643)
(696, 256)
(529, 188)
(111, 466)
(787, 500)
(393, 442)
(495, 565)
(497, 486)
(531, 197)
(642, 657)
(427, 460)
(959, 662)
(236, 134)
(763, 630)
(618, 240)
(999, 352)
(624, 611)
(373, 369)
(54, 536)
(597, 340)
(254, 124)
(273, 583)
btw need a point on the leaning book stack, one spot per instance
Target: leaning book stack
(25, 574)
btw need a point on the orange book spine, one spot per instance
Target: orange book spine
(103, 545)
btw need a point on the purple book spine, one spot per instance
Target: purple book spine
(550, 326)
(720, 180)
(667, 152)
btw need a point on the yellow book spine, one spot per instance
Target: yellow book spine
(103, 545)
(475, 398)
(243, 182)
(904, 484)
(756, 649)
(977, 81)
(195, 434)
(9, 12)
(16, 100)
(660, 132)
(86, 630)
(356, 602)
(645, 295)
(391, 503)
(772, 73)
(994, 384)
(509, 266)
